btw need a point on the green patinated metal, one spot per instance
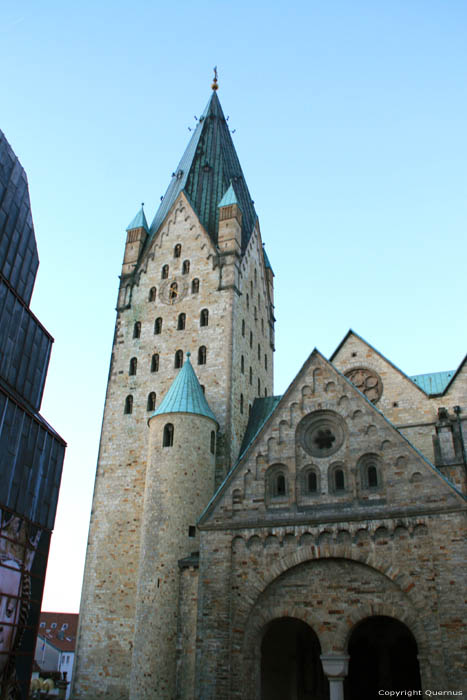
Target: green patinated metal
(185, 395)
(260, 411)
(229, 198)
(208, 168)
(139, 221)
(434, 383)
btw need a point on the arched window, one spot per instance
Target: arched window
(241, 403)
(181, 322)
(259, 387)
(158, 326)
(185, 267)
(339, 482)
(213, 442)
(243, 329)
(178, 359)
(173, 292)
(137, 330)
(155, 363)
(370, 467)
(204, 317)
(251, 376)
(247, 301)
(202, 355)
(177, 250)
(151, 401)
(168, 435)
(265, 361)
(165, 272)
(251, 339)
(128, 404)
(195, 286)
(152, 294)
(372, 476)
(280, 485)
(133, 366)
(311, 482)
(242, 364)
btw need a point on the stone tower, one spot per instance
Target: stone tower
(196, 280)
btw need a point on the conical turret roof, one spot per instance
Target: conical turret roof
(207, 169)
(185, 395)
(139, 221)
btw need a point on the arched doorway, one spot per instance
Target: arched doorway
(290, 662)
(383, 656)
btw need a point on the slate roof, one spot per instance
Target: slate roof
(207, 168)
(185, 395)
(139, 221)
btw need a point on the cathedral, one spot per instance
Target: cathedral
(249, 546)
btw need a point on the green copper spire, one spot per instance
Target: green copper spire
(139, 221)
(208, 167)
(185, 395)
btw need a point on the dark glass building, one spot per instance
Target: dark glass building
(31, 452)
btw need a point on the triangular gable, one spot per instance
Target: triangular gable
(318, 387)
(171, 214)
(395, 367)
(460, 370)
(351, 333)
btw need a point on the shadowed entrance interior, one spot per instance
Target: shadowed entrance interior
(383, 656)
(290, 662)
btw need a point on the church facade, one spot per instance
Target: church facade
(246, 545)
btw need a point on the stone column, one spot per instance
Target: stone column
(336, 667)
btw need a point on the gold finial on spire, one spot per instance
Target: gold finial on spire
(214, 85)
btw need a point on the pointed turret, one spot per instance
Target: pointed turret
(185, 395)
(137, 233)
(207, 168)
(230, 238)
(179, 484)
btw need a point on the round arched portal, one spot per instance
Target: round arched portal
(383, 656)
(290, 662)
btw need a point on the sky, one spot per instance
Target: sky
(349, 122)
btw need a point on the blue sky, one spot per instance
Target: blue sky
(349, 123)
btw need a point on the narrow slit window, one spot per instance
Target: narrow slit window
(204, 317)
(177, 250)
(155, 362)
(241, 403)
(243, 329)
(151, 401)
(259, 387)
(133, 366)
(168, 435)
(128, 405)
(181, 322)
(242, 365)
(195, 286)
(251, 375)
(137, 330)
(152, 294)
(372, 476)
(158, 326)
(165, 272)
(213, 442)
(185, 267)
(178, 362)
(202, 355)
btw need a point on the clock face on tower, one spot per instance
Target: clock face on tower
(173, 290)
(367, 381)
